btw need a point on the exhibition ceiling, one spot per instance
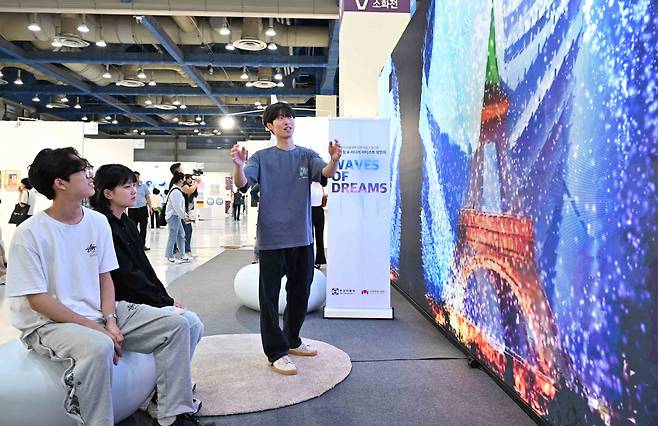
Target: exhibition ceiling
(159, 68)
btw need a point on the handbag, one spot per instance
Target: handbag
(19, 214)
(324, 200)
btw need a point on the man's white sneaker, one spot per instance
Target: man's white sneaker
(171, 259)
(184, 260)
(285, 366)
(303, 350)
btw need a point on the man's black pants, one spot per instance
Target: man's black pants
(140, 216)
(296, 263)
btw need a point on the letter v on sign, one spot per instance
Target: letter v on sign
(361, 5)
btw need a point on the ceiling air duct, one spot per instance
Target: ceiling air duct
(250, 37)
(264, 79)
(130, 80)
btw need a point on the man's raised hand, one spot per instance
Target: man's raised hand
(238, 155)
(335, 150)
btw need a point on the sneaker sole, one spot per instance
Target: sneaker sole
(301, 353)
(284, 372)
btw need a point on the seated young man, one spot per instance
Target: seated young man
(135, 280)
(63, 300)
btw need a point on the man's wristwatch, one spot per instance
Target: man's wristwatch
(107, 318)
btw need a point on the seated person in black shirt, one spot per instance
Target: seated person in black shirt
(135, 281)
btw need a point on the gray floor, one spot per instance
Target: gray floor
(405, 371)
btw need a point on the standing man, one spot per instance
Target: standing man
(238, 199)
(141, 212)
(284, 235)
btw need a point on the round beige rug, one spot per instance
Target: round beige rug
(233, 376)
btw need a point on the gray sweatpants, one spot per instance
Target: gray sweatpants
(88, 357)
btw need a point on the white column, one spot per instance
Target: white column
(367, 40)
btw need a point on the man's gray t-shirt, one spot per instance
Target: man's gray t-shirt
(284, 212)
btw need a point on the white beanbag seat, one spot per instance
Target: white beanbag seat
(33, 393)
(245, 285)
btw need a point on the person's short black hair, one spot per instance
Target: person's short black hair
(109, 176)
(50, 164)
(187, 176)
(156, 191)
(177, 176)
(174, 167)
(274, 111)
(26, 183)
(136, 172)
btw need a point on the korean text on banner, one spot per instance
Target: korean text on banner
(358, 284)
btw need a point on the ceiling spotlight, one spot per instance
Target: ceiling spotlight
(49, 105)
(84, 118)
(83, 28)
(176, 102)
(215, 131)
(196, 130)
(202, 123)
(34, 25)
(244, 75)
(227, 122)
(270, 32)
(77, 104)
(148, 101)
(211, 70)
(182, 106)
(64, 99)
(101, 43)
(280, 84)
(115, 121)
(141, 75)
(197, 118)
(18, 80)
(1, 74)
(108, 117)
(278, 76)
(143, 133)
(56, 42)
(225, 30)
(135, 131)
(107, 73)
(249, 83)
(36, 98)
(257, 103)
(229, 46)
(152, 83)
(272, 46)
(175, 119)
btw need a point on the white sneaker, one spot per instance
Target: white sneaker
(303, 350)
(171, 259)
(184, 260)
(285, 366)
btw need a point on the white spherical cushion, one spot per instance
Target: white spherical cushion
(33, 393)
(245, 285)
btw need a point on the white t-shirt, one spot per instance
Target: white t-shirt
(316, 194)
(64, 261)
(29, 197)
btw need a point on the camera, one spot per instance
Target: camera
(197, 172)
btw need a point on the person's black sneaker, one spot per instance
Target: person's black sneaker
(182, 420)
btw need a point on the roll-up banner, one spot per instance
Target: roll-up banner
(358, 283)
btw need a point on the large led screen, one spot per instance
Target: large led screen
(524, 207)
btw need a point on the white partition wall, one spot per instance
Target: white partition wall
(109, 151)
(20, 142)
